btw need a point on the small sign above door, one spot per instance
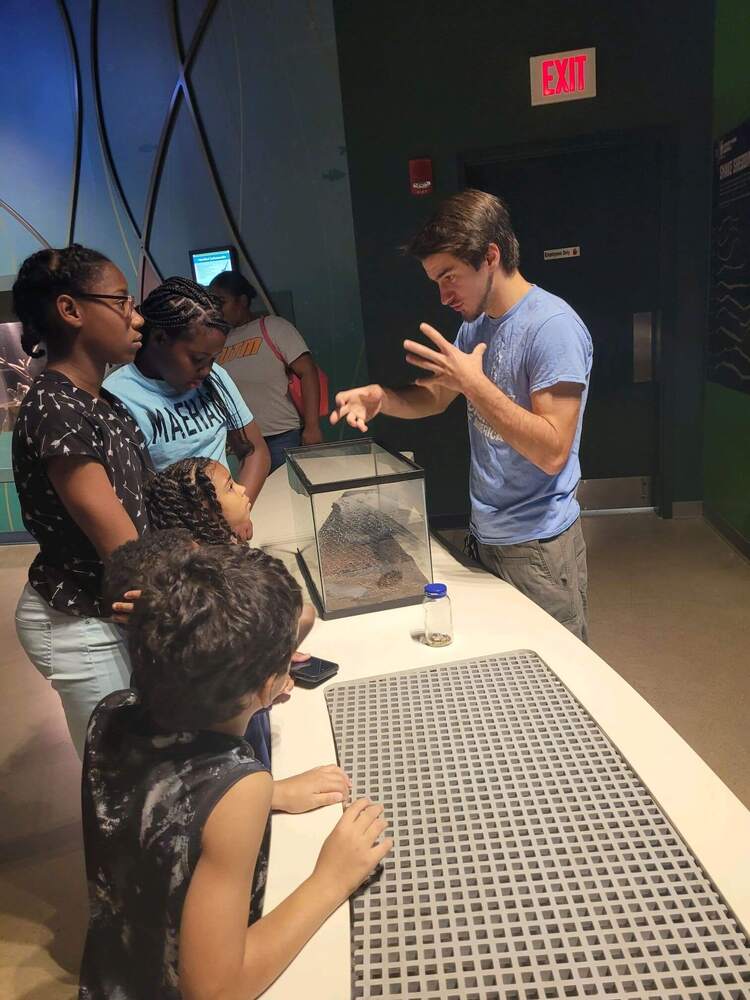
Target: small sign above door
(563, 76)
(562, 252)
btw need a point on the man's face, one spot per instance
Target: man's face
(461, 286)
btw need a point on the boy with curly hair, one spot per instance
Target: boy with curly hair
(176, 806)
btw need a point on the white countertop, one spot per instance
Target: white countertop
(489, 616)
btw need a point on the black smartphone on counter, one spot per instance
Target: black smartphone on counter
(314, 671)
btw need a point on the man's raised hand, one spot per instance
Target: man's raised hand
(358, 406)
(450, 368)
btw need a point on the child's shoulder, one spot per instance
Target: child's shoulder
(113, 703)
(248, 791)
(120, 376)
(243, 805)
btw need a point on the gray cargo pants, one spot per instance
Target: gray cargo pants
(551, 572)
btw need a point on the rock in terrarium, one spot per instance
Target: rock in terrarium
(364, 552)
(361, 526)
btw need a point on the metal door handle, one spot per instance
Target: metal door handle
(643, 332)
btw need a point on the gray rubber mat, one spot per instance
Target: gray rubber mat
(530, 862)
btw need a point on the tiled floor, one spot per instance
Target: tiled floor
(670, 610)
(42, 888)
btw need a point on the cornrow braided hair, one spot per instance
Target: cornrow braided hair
(178, 302)
(42, 278)
(173, 307)
(183, 496)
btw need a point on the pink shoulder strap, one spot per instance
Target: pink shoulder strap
(269, 342)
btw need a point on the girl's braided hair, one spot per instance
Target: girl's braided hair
(173, 307)
(176, 303)
(44, 276)
(183, 496)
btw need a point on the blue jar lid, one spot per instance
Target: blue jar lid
(435, 589)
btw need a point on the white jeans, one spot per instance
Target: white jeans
(84, 658)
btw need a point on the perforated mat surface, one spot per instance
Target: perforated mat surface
(530, 862)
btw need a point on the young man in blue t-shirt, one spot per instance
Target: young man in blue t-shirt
(522, 358)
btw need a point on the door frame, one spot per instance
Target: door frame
(665, 141)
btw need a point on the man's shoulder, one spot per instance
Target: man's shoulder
(544, 306)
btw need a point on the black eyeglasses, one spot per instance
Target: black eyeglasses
(127, 301)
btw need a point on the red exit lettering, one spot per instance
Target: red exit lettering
(564, 76)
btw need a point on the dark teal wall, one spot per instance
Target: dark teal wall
(440, 78)
(266, 83)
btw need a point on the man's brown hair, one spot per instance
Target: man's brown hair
(464, 226)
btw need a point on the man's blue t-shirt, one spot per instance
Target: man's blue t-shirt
(180, 425)
(539, 342)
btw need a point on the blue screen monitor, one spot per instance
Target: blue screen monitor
(206, 264)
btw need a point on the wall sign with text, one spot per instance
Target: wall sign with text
(563, 76)
(562, 253)
(728, 355)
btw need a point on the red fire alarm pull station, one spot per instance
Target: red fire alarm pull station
(563, 76)
(420, 177)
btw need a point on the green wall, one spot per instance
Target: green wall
(726, 463)
(727, 457)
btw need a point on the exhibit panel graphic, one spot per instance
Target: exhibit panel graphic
(728, 356)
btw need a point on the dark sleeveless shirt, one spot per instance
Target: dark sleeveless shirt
(146, 799)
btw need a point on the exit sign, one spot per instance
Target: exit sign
(563, 76)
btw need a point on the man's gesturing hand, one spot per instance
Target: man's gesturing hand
(451, 368)
(358, 406)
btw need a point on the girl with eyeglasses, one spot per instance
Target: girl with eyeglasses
(79, 463)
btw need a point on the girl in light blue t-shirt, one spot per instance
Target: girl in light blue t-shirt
(185, 405)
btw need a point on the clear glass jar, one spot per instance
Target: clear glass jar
(438, 621)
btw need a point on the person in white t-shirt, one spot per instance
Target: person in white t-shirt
(259, 354)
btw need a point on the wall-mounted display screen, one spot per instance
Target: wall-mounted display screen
(206, 264)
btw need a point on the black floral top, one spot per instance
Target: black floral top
(146, 799)
(56, 418)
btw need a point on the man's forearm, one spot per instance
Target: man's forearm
(412, 402)
(531, 435)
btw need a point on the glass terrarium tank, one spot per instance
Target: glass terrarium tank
(361, 526)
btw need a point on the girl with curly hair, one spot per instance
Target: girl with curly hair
(199, 496)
